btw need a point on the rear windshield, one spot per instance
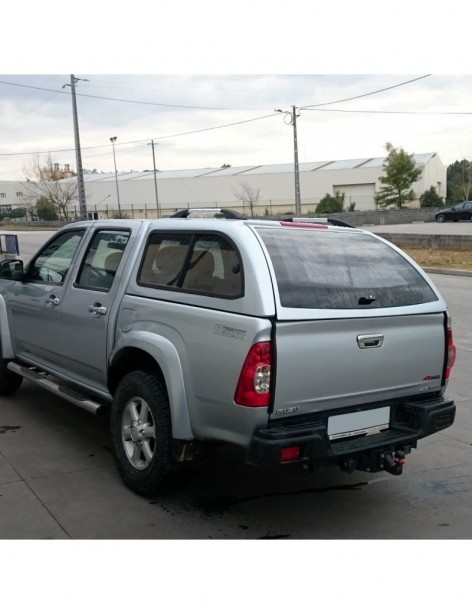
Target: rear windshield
(318, 269)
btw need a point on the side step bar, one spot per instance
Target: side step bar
(60, 390)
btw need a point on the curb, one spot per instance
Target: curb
(439, 271)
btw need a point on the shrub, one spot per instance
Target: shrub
(431, 198)
(331, 204)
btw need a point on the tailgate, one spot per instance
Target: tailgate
(329, 364)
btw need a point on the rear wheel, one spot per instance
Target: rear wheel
(141, 432)
(440, 218)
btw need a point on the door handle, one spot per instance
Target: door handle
(52, 301)
(97, 309)
(366, 342)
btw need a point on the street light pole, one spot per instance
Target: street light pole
(78, 155)
(155, 179)
(293, 121)
(113, 139)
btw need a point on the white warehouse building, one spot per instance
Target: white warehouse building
(134, 193)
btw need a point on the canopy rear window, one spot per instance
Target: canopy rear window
(341, 270)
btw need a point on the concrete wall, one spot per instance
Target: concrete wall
(392, 216)
(460, 242)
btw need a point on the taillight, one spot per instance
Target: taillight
(253, 388)
(451, 354)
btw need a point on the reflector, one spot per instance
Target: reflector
(290, 454)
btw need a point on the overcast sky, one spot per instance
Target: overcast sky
(203, 79)
(199, 121)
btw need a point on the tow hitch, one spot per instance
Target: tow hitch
(393, 463)
(388, 460)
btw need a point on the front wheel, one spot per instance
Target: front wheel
(141, 432)
(440, 218)
(9, 381)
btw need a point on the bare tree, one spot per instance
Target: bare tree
(43, 180)
(247, 194)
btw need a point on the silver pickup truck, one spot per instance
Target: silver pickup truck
(302, 342)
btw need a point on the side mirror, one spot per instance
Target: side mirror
(12, 269)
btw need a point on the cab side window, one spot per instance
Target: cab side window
(102, 259)
(53, 262)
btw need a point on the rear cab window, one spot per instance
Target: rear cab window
(102, 259)
(339, 270)
(198, 263)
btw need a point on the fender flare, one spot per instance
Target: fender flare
(5, 337)
(166, 356)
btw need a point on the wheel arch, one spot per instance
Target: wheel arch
(5, 337)
(155, 354)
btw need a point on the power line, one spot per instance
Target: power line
(391, 112)
(384, 89)
(154, 104)
(245, 121)
(193, 107)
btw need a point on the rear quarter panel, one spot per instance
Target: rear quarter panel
(211, 346)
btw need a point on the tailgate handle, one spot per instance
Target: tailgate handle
(366, 342)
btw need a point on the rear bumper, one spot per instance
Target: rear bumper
(410, 421)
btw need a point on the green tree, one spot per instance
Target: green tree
(331, 204)
(430, 198)
(459, 181)
(45, 209)
(17, 213)
(401, 172)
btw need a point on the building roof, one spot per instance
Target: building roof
(225, 171)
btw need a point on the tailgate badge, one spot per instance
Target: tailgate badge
(287, 410)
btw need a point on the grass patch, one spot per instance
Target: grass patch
(441, 258)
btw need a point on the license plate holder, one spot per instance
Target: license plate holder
(364, 422)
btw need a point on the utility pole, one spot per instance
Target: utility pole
(78, 156)
(298, 204)
(112, 140)
(158, 213)
(292, 115)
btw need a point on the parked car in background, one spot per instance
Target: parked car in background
(461, 211)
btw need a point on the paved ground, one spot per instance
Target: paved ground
(425, 228)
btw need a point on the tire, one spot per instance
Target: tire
(141, 433)
(440, 218)
(9, 381)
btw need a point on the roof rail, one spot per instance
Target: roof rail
(318, 220)
(228, 214)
